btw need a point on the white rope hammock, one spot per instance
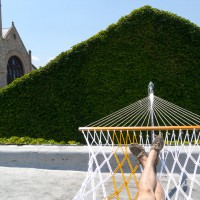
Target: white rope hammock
(138, 114)
(113, 172)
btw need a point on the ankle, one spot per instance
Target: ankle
(143, 160)
(153, 154)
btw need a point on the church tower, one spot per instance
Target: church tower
(15, 60)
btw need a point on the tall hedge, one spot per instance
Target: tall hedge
(105, 73)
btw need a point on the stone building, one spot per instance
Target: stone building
(15, 61)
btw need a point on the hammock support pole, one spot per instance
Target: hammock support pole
(151, 99)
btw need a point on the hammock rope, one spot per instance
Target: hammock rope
(113, 172)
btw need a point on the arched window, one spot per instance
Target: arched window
(14, 69)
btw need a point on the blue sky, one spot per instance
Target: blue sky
(49, 27)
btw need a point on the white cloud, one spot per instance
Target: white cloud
(35, 59)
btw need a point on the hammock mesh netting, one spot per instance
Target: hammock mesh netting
(113, 172)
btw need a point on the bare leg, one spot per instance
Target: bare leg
(147, 182)
(159, 192)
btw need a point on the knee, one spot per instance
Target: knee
(160, 194)
(145, 188)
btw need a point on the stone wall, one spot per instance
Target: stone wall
(12, 45)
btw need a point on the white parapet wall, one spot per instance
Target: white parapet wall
(73, 157)
(45, 157)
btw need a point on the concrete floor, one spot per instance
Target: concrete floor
(43, 184)
(38, 184)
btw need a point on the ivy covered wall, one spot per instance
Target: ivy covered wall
(105, 73)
